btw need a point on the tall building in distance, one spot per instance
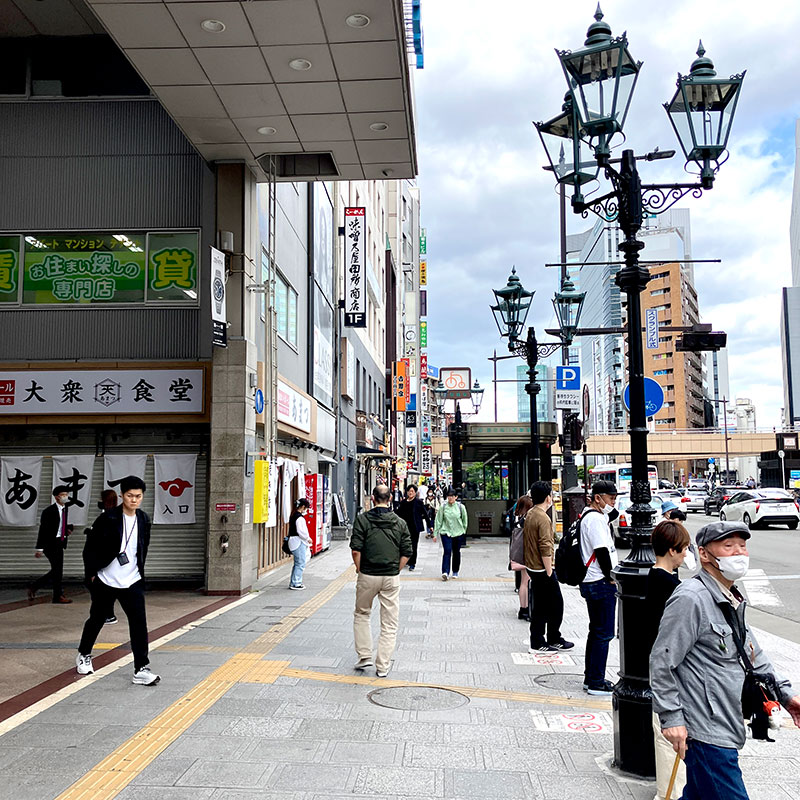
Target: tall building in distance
(667, 238)
(790, 307)
(545, 400)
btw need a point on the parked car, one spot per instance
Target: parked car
(719, 495)
(695, 500)
(622, 524)
(757, 507)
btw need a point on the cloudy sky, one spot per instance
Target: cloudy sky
(490, 69)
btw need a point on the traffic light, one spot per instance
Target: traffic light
(700, 341)
(575, 432)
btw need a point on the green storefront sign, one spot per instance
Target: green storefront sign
(90, 268)
(423, 334)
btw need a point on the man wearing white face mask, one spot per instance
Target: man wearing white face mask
(695, 670)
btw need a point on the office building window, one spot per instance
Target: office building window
(286, 308)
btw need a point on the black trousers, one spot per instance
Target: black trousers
(546, 608)
(55, 555)
(132, 602)
(412, 562)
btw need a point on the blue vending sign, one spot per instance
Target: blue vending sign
(653, 397)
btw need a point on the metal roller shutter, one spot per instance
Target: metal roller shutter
(177, 552)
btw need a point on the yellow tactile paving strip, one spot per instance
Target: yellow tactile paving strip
(108, 778)
(116, 771)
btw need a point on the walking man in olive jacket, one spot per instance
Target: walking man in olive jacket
(381, 547)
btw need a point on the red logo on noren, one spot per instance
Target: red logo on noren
(175, 487)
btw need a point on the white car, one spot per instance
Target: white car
(622, 524)
(695, 500)
(757, 507)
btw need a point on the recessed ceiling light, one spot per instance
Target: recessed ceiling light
(379, 126)
(300, 64)
(267, 131)
(212, 25)
(358, 20)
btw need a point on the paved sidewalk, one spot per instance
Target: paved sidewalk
(260, 701)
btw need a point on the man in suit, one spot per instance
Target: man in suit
(116, 549)
(51, 543)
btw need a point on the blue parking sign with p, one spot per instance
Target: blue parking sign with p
(568, 378)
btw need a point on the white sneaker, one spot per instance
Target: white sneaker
(145, 677)
(444, 576)
(381, 673)
(84, 664)
(363, 663)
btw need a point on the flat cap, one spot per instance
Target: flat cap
(715, 531)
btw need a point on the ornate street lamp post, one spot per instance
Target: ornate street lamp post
(510, 313)
(601, 77)
(457, 430)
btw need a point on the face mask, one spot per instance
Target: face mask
(607, 509)
(690, 562)
(733, 567)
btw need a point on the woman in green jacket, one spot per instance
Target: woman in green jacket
(451, 525)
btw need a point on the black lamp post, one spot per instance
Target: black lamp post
(510, 312)
(601, 77)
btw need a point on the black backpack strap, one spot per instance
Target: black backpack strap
(739, 632)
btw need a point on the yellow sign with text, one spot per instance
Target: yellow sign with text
(423, 273)
(261, 492)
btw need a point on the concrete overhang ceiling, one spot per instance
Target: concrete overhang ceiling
(293, 78)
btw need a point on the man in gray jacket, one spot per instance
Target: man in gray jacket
(695, 672)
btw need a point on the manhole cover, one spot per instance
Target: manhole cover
(440, 601)
(560, 681)
(417, 698)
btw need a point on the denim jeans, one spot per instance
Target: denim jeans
(300, 558)
(601, 603)
(452, 547)
(712, 773)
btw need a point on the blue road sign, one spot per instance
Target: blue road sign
(653, 397)
(259, 401)
(568, 378)
(712, 461)
(503, 472)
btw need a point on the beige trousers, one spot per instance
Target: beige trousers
(665, 759)
(387, 589)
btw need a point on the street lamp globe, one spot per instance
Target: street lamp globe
(601, 77)
(511, 310)
(476, 395)
(568, 304)
(565, 149)
(701, 112)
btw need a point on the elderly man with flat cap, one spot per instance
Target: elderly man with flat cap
(695, 669)
(114, 556)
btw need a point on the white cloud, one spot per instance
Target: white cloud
(487, 204)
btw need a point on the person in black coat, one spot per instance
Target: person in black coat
(51, 542)
(412, 512)
(114, 557)
(108, 500)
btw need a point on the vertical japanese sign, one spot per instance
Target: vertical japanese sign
(426, 430)
(399, 385)
(261, 491)
(219, 335)
(423, 242)
(407, 387)
(426, 461)
(423, 334)
(651, 328)
(19, 490)
(175, 482)
(75, 472)
(423, 273)
(423, 366)
(423, 302)
(9, 269)
(355, 294)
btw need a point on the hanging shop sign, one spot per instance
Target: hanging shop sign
(355, 289)
(89, 268)
(423, 242)
(294, 408)
(75, 472)
(423, 302)
(423, 397)
(121, 465)
(423, 334)
(19, 490)
(423, 366)
(407, 386)
(426, 430)
(423, 273)
(261, 491)
(174, 487)
(411, 419)
(399, 385)
(219, 323)
(457, 381)
(426, 461)
(111, 391)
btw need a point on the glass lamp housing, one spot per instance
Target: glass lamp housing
(511, 310)
(568, 304)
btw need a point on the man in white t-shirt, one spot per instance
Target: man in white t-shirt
(116, 549)
(598, 588)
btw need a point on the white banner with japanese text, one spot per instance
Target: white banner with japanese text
(174, 488)
(110, 391)
(75, 472)
(355, 270)
(19, 490)
(117, 467)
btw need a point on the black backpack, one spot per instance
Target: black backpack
(569, 565)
